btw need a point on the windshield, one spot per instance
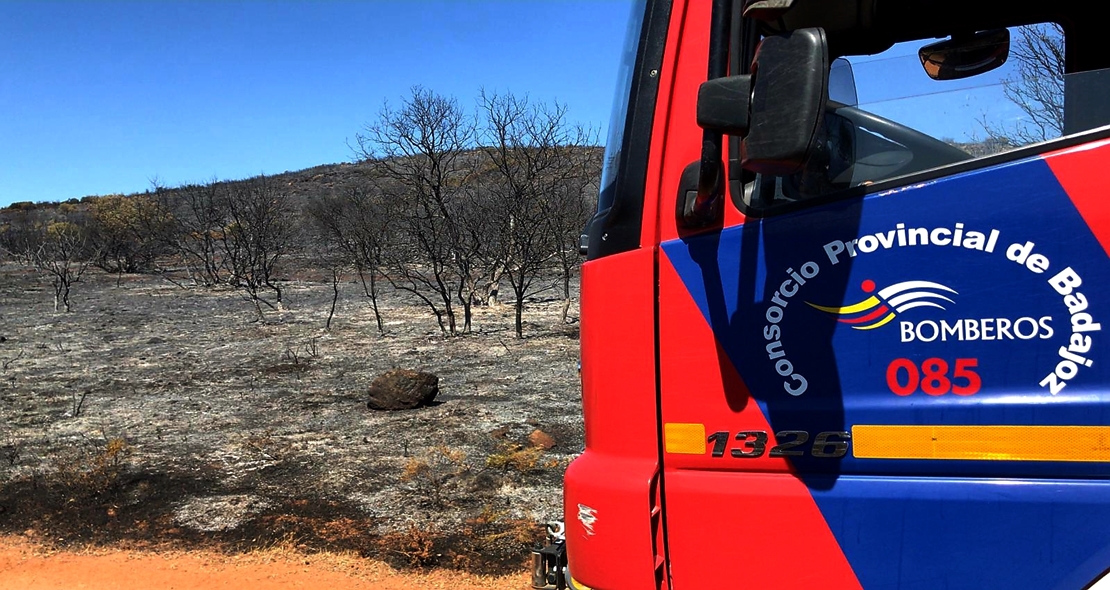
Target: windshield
(619, 114)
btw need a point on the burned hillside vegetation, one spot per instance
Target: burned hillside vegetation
(192, 364)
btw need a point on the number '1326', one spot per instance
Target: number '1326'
(791, 443)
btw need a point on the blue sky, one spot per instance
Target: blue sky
(103, 97)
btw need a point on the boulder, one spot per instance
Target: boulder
(402, 389)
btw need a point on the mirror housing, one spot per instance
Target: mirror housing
(778, 108)
(963, 56)
(790, 88)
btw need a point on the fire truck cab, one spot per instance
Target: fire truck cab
(843, 300)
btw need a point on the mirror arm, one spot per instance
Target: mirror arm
(704, 207)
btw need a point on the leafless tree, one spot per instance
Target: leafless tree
(64, 254)
(332, 257)
(197, 215)
(536, 154)
(1036, 87)
(356, 224)
(420, 158)
(351, 231)
(372, 220)
(570, 204)
(260, 230)
(329, 242)
(55, 242)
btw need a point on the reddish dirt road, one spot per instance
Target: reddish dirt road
(26, 566)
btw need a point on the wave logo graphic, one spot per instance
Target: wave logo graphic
(879, 309)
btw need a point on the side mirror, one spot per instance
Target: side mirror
(791, 85)
(778, 108)
(964, 56)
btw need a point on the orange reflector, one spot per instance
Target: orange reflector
(982, 443)
(684, 439)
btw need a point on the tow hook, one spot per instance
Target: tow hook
(549, 563)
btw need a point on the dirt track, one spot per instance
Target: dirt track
(24, 566)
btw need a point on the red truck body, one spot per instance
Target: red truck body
(880, 370)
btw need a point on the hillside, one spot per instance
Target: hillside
(323, 179)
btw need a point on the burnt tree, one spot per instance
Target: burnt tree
(260, 230)
(538, 161)
(420, 156)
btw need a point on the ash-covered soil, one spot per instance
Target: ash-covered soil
(154, 414)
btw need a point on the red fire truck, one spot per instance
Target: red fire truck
(843, 300)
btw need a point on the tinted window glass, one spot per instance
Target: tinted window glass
(899, 121)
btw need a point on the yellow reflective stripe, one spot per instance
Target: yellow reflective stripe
(684, 439)
(879, 324)
(861, 306)
(982, 443)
